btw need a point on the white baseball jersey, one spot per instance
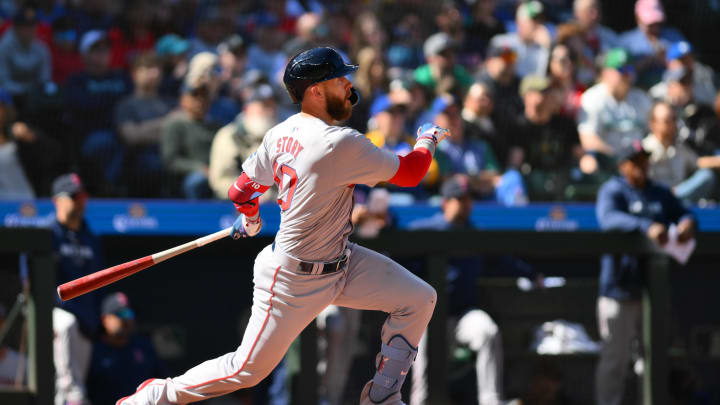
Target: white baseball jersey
(315, 166)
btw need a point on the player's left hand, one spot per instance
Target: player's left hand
(244, 227)
(432, 132)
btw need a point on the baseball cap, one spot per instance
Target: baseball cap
(678, 49)
(441, 103)
(456, 186)
(171, 44)
(25, 16)
(629, 151)
(67, 184)
(383, 103)
(534, 83)
(649, 11)
(438, 43)
(618, 59)
(261, 92)
(531, 9)
(117, 304)
(234, 43)
(90, 39)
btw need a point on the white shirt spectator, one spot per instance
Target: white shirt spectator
(617, 122)
(672, 165)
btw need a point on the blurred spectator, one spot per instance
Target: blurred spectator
(266, 54)
(471, 327)
(235, 142)
(449, 20)
(562, 71)
(405, 51)
(370, 80)
(139, 119)
(649, 42)
(597, 39)
(338, 329)
(694, 118)
(24, 60)
(630, 203)
(545, 145)
(473, 157)
(612, 113)
(76, 322)
(172, 51)
(584, 62)
(66, 59)
(442, 74)
(367, 32)
(482, 28)
(186, 140)
(310, 31)
(389, 125)
(499, 74)
(212, 27)
(121, 359)
(11, 362)
(531, 42)
(91, 97)
(232, 58)
(674, 164)
(478, 122)
(30, 159)
(680, 56)
(133, 34)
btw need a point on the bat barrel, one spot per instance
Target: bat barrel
(102, 278)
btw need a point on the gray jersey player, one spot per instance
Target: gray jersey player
(311, 264)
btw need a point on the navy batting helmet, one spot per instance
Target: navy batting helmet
(313, 66)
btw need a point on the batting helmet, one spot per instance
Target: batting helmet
(313, 66)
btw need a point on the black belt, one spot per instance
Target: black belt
(327, 268)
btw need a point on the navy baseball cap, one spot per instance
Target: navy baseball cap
(67, 184)
(629, 151)
(117, 304)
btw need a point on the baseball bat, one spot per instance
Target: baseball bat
(101, 278)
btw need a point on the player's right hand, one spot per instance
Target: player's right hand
(244, 227)
(432, 132)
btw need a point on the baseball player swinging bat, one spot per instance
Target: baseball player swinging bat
(101, 278)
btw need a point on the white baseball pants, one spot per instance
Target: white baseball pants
(619, 323)
(481, 334)
(284, 303)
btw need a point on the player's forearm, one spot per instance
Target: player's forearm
(245, 192)
(414, 165)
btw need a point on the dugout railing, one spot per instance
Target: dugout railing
(435, 247)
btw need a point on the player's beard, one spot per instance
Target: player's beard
(337, 108)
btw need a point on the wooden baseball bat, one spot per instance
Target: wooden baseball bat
(101, 278)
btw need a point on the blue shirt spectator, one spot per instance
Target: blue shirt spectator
(635, 203)
(649, 42)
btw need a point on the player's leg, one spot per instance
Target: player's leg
(71, 357)
(617, 321)
(375, 282)
(481, 334)
(284, 303)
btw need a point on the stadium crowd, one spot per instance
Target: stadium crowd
(167, 98)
